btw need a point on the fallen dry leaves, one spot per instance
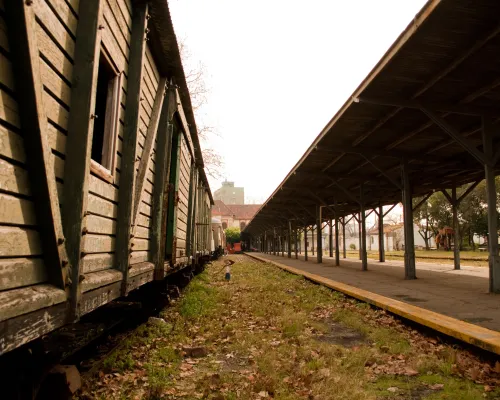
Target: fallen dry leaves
(238, 351)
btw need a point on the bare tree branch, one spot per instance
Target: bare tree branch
(214, 163)
(198, 90)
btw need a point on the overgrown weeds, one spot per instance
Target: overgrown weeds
(270, 334)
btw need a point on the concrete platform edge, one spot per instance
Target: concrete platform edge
(473, 334)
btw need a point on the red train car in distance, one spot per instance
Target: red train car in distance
(235, 248)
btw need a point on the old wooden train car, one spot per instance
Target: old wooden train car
(102, 181)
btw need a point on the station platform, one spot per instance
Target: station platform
(456, 303)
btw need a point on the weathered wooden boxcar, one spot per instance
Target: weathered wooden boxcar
(102, 185)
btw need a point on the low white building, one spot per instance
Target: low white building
(394, 238)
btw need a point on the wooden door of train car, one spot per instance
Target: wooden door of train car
(203, 221)
(181, 196)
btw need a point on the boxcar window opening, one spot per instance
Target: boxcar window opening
(106, 111)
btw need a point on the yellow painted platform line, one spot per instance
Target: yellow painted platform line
(470, 333)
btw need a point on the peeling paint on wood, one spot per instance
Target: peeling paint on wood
(18, 272)
(22, 329)
(24, 300)
(140, 268)
(95, 280)
(97, 262)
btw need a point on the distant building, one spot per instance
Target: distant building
(234, 215)
(229, 194)
(394, 238)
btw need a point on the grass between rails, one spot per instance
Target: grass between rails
(270, 334)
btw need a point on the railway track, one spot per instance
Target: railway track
(32, 372)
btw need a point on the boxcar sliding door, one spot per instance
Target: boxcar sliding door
(170, 245)
(178, 204)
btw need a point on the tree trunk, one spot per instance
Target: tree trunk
(427, 236)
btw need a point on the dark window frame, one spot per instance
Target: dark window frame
(106, 169)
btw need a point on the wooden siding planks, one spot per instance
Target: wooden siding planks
(18, 272)
(183, 196)
(97, 262)
(52, 24)
(14, 180)
(129, 145)
(16, 241)
(24, 300)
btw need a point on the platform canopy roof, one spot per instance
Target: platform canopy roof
(424, 102)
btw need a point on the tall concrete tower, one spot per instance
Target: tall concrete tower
(229, 194)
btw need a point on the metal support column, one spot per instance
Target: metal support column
(274, 241)
(283, 244)
(456, 228)
(360, 245)
(298, 239)
(344, 251)
(278, 244)
(305, 243)
(319, 246)
(330, 239)
(337, 249)
(289, 239)
(364, 255)
(410, 270)
(312, 239)
(491, 195)
(381, 244)
(297, 235)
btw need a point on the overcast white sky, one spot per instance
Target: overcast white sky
(279, 70)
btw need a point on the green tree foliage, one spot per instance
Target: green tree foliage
(233, 235)
(437, 212)
(473, 212)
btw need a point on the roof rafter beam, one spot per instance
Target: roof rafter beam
(464, 109)
(436, 78)
(369, 151)
(390, 209)
(469, 189)
(349, 194)
(349, 220)
(333, 162)
(448, 197)
(321, 200)
(421, 202)
(305, 209)
(384, 173)
(455, 135)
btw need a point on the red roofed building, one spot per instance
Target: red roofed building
(234, 215)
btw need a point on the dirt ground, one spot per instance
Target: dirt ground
(269, 334)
